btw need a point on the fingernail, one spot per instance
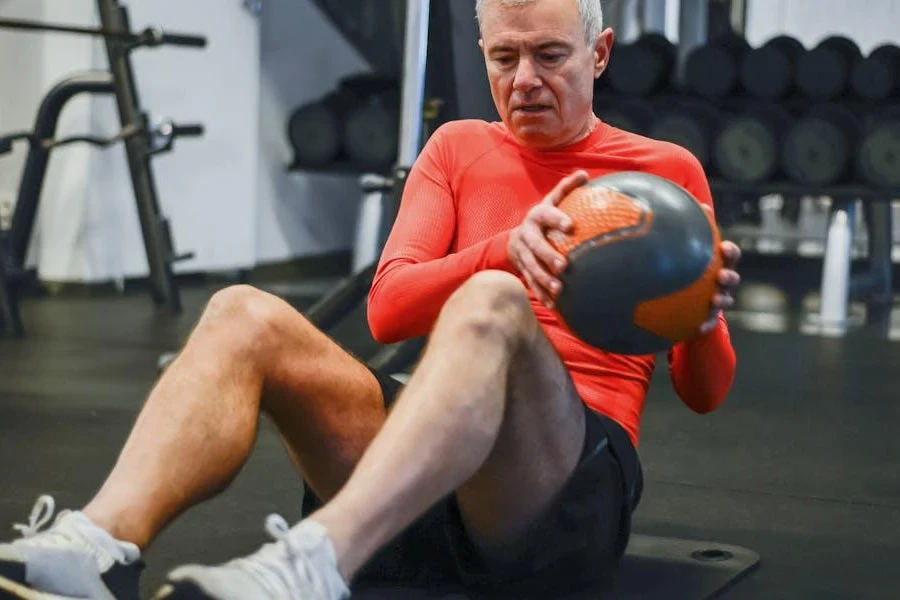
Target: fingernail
(555, 286)
(560, 265)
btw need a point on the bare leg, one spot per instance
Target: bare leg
(199, 423)
(490, 411)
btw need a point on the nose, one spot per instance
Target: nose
(527, 77)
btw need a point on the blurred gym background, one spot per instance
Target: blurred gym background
(792, 107)
(258, 141)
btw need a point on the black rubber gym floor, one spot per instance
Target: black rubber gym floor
(800, 465)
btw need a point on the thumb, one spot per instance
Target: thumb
(566, 186)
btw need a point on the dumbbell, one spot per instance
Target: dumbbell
(877, 77)
(823, 73)
(316, 130)
(819, 147)
(642, 67)
(747, 148)
(878, 160)
(372, 131)
(713, 70)
(629, 114)
(769, 72)
(691, 125)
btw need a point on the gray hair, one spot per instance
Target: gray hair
(591, 15)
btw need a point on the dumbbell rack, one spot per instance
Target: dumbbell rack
(837, 286)
(141, 140)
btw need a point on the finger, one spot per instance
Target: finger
(728, 278)
(722, 302)
(709, 325)
(566, 186)
(731, 253)
(539, 272)
(550, 217)
(539, 247)
(532, 272)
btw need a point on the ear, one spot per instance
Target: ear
(602, 51)
(481, 44)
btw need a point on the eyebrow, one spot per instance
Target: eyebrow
(551, 45)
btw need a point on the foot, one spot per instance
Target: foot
(71, 559)
(300, 565)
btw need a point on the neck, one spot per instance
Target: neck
(581, 134)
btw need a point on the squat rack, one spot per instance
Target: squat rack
(141, 139)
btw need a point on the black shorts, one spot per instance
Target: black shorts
(577, 542)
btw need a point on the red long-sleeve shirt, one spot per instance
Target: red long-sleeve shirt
(471, 185)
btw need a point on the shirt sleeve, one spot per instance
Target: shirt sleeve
(702, 369)
(417, 272)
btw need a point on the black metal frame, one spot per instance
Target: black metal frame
(137, 135)
(154, 227)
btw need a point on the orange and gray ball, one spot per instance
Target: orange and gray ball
(643, 261)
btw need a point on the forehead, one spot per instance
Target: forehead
(537, 22)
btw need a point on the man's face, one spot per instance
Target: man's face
(541, 69)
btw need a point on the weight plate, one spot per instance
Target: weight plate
(711, 71)
(873, 79)
(767, 73)
(879, 155)
(315, 135)
(371, 136)
(816, 152)
(684, 131)
(746, 150)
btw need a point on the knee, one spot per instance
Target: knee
(492, 305)
(251, 318)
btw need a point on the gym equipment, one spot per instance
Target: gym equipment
(149, 37)
(713, 70)
(878, 161)
(626, 113)
(823, 73)
(877, 77)
(653, 567)
(670, 245)
(141, 140)
(317, 130)
(643, 67)
(748, 147)
(370, 133)
(769, 72)
(692, 125)
(819, 147)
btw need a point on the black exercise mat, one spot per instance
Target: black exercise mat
(654, 568)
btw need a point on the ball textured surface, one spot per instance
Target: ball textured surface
(643, 261)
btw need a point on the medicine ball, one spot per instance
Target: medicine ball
(643, 261)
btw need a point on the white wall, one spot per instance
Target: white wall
(868, 22)
(227, 194)
(303, 56)
(21, 55)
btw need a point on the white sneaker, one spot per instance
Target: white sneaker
(299, 565)
(72, 559)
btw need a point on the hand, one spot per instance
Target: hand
(529, 249)
(728, 280)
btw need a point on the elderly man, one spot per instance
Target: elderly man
(507, 462)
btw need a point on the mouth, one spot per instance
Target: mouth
(532, 109)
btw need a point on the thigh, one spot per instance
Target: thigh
(326, 404)
(539, 445)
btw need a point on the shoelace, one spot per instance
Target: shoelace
(279, 567)
(41, 514)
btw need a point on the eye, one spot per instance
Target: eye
(550, 58)
(505, 61)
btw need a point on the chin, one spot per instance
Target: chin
(536, 137)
